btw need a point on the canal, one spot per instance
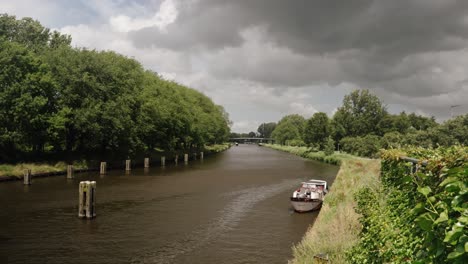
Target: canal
(232, 207)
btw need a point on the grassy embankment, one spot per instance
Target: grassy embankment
(16, 170)
(337, 227)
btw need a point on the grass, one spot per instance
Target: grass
(218, 147)
(17, 170)
(337, 227)
(36, 168)
(305, 152)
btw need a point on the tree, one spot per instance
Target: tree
(26, 98)
(359, 114)
(317, 130)
(420, 122)
(290, 127)
(329, 146)
(265, 129)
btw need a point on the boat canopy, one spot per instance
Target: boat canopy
(311, 183)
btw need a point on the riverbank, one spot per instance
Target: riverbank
(11, 172)
(336, 229)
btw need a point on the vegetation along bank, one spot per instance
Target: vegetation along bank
(382, 211)
(61, 104)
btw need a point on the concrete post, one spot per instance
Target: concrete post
(70, 172)
(201, 155)
(163, 161)
(87, 199)
(128, 165)
(103, 168)
(27, 179)
(186, 158)
(195, 156)
(176, 159)
(146, 162)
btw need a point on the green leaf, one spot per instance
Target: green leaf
(424, 190)
(442, 217)
(466, 246)
(407, 179)
(452, 235)
(424, 221)
(419, 208)
(454, 255)
(447, 181)
(452, 187)
(457, 200)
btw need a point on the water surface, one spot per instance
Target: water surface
(232, 207)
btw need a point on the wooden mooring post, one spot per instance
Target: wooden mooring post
(27, 177)
(103, 168)
(87, 199)
(146, 162)
(201, 155)
(70, 172)
(176, 159)
(128, 165)
(163, 161)
(186, 158)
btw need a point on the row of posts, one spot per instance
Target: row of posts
(87, 189)
(103, 167)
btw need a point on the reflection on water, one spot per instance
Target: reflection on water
(229, 208)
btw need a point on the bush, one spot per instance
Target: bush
(417, 217)
(367, 146)
(329, 146)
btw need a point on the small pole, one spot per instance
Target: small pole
(82, 188)
(146, 162)
(70, 172)
(176, 159)
(186, 158)
(195, 156)
(201, 155)
(103, 167)
(163, 161)
(27, 179)
(127, 165)
(91, 200)
(87, 199)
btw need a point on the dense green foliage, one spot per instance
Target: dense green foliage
(59, 99)
(318, 130)
(362, 126)
(420, 214)
(290, 130)
(265, 129)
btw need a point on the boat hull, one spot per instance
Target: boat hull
(305, 205)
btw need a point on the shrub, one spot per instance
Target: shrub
(329, 146)
(417, 217)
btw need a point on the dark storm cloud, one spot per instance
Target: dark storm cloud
(414, 48)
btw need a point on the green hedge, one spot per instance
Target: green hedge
(416, 217)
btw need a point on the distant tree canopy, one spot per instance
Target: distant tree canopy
(317, 130)
(290, 129)
(265, 129)
(362, 126)
(55, 98)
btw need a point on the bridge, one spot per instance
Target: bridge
(252, 140)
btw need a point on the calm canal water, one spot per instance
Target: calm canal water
(232, 207)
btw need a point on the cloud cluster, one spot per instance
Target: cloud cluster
(263, 59)
(410, 52)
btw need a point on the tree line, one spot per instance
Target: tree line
(362, 125)
(55, 98)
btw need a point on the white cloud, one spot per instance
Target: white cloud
(166, 15)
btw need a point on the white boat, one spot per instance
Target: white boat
(309, 196)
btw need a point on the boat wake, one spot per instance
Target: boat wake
(241, 204)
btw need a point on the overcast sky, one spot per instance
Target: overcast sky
(263, 59)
